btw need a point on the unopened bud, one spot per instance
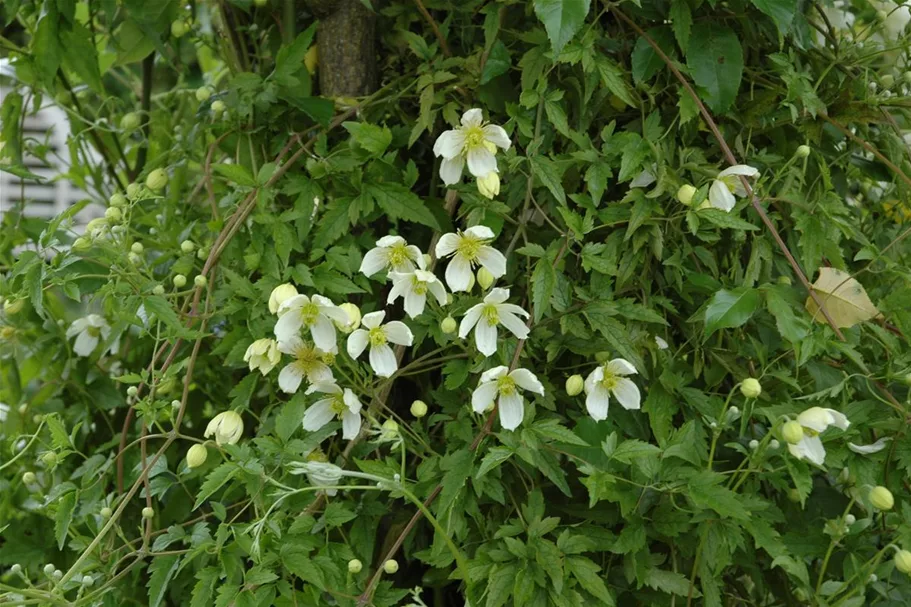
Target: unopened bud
(105, 512)
(419, 408)
(29, 478)
(355, 566)
(200, 281)
(850, 519)
(49, 458)
(196, 455)
(49, 569)
(132, 391)
(485, 278)
(448, 325)
(802, 151)
(754, 444)
(574, 384)
(187, 246)
(792, 432)
(117, 200)
(903, 561)
(179, 28)
(750, 388)
(881, 498)
(148, 512)
(137, 248)
(180, 281)
(391, 566)
(158, 290)
(130, 121)
(157, 180)
(203, 93)
(685, 194)
(218, 106)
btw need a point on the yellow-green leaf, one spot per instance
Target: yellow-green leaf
(845, 299)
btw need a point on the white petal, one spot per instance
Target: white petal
(287, 327)
(451, 170)
(597, 403)
(512, 410)
(85, 344)
(739, 169)
(661, 343)
(77, 327)
(318, 415)
(485, 337)
(494, 373)
(473, 117)
(493, 260)
(720, 196)
(382, 359)
(481, 161)
(447, 244)
(482, 232)
(871, 448)
(295, 302)
(401, 284)
(357, 342)
(620, 366)
(838, 419)
(458, 274)
(512, 309)
(325, 388)
(513, 324)
(497, 295)
(594, 378)
(470, 320)
(438, 291)
(643, 179)
(809, 447)
(290, 377)
(414, 304)
(351, 425)
(527, 381)
(817, 418)
(415, 254)
(351, 401)
(323, 332)
(374, 261)
(373, 319)
(389, 240)
(627, 393)
(290, 346)
(497, 135)
(320, 373)
(398, 333)
(332, 311)
(449, 144)
(483, 396)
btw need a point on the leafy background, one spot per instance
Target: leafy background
(296, 180)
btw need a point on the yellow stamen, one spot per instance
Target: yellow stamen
(506, 386)
(377, 337)
(309, 313)
(490, 314)
(398, 254)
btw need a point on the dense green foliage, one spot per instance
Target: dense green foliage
(226, 172)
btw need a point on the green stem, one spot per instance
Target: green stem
(23, 452)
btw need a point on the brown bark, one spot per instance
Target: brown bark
(347, 48)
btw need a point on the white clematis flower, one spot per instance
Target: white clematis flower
(263, 355)
(728, 184)
(488, 315)
(279, 295)
(309, 361)
(378, 336)
(320, 474)
(606, 381)
(341, 403)
(413, 288)
(468, 249)
(502, 386)
(89, 331)
(391, 253)
(315, 314)
(227, 426)
(814, 421)
(474, 142)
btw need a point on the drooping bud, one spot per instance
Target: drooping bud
(227, 426)
(881, 498)
(903, 561)
(157, 180)
(489, 185)
(196, 455)
(485, 278)
(279, 295)
(448, 325)
(792, 432)
(685, 194)
(574, 384)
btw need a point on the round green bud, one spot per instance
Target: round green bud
(179, 28)
(196, 455)
(133, 190)
(180, 281)
(574, 384)
(903, 561)
(802, 151)
(187, 246)
(200, 281)
(218, 106)
(49, 569)
(49, 458)
(63, 98)
(792, 432)
(794, 495)
(754, 444)
(784, 280)
(850, 519)
(448, 325)
(158, 290)
(29, 478)
(113, 214)
(203, 93)
(390, 427)
(485, 278)
(881, 498)
(137, 248)
(148, 512)
(887, 80)
(355, 566)
(419, 408)
(202, 253)
(750, 388)
(132, 391)
(105, 512)
(81, 243)
(57, 575)
(774, 444)
(117, 200)
(391, 566)
(16, 569)
(131, 121)
(88, 581)
(13, 306)
(685, 194)
(157, 180)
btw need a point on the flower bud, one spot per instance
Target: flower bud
(881, 498)
(200, 281)
(180, 281)
(485, 278)
(802, 151)
(792, 432)
(58, 575)
(203, 93)
(888, 80)
(794, 495)
(113, 214)
(754, 444)
(187, 246)
(850, 519)
(117, 200)
(196, 455)
(137, 248)
(903, 561)
(218, 106)
(750, 388)
(88, 581)
(49, 569)
(81, 243)
(132, 391)
(774, 444)
(354, 317)
(784, 280)
(419, 408)
(13, 306)
(105, 512)
(390, 429)
(133, 190)
(227, 426)
(355, 566)
(448, 325)
(49, 458)
(29, 478)
(391, 566)
(279, 295)
(685, 194)
(158, 290)
(179, 28)
(489, 185)
(157, 180)
(130, 121)
(16, 569)
(311, 59)
(148, 512)
(574, 384)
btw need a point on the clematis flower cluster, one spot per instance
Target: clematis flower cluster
(473, 143)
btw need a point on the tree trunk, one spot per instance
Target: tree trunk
(347, 48)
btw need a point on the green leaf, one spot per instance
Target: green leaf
(781, 11)
(494, 457)
(682, 21)
(215, 481)
(706, 491)
(290, 58)
(46, 46)
(543, 279)
(158, 306)
(645, 61)
(615, 80)
(162, 570)
(670, 582)
(500, 585)
(204, 586)
(552, 431)
(458, 469)
(401, 203)
(723, 219)
(562, 19)
(333, 223)
(10, 113)
(792, 327)
(498, 62)
(633, 449)
(715, 59)
(374, 139)
(59, 438)
(729, 309)
(546, 172)
(236, 173)
(298, 562)
(81, 56)
(64, 517)
(586, 572)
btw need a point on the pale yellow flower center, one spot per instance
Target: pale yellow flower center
(93, 331)
(469, 247)
(418, 287)
(474, 137)
(338, 405)
(377, 337)
(731, 182)
(309, 313)
(317, 455)
(610, 380)
(506, 386)
(398, 254)
(308, 359)
(810, 432)
(490, 314)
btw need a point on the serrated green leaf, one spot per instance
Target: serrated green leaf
(333, 223)
(236, 173)
(59, 437)
(781, 11)
(562, 19)
(729, 309)
(723, 219)
(706, 491)
(65, 507)
(586, 572)
(374, 139)
(204, 586)
(493, 458)
(682, 21)
(546, 172)
(500, 585)
(543, 279)
(400, 203)
(161, 571)
(715, 58)
(498, 62)
(215, 481)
